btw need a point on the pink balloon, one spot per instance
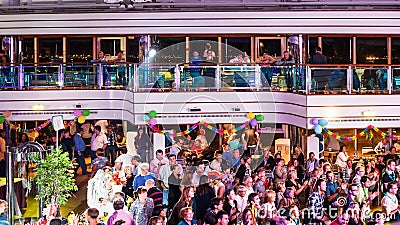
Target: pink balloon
(153, 121)
(7, 113)
(77, 112)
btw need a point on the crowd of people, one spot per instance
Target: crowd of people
(236, 188)
(181, 185)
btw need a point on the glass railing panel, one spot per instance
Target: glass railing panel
(41, 76)
(155, 77)
(369, 80)
(193, 78)
(396, 80)
(239, 77)
(8, 76)
(82, 75)
(115, 75)
(328, 80)
(299, 79)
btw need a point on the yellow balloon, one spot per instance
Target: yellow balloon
(250, 115)
(81, 119)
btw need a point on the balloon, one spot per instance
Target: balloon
(81, 119)
(146, 118)
(7, 113)
(2, 119)
(153, 121)
(152, 114)
(253, 122)
(250, 115)
(318, 129)
(314, 121)
(259, 117)
(323, 122)
(86, 112)
(77, 112)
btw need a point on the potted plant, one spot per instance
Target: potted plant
(54, 178)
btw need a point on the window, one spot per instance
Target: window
(372, 50)
(232, 46)
(50, 49)
(172, 50)
(132, 51)
(79, 49)
(337, 49)
(27, 50)
(395, 50)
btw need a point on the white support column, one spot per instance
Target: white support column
(177, 76)
(218, 77)
(349, 79)
(308, 80)
(258, 77)
(135, 78)
(100, 75)
(389, 79)
(60, 76)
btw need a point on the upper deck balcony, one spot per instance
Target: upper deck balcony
(302, 79)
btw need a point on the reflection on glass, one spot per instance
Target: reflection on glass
(372, 50)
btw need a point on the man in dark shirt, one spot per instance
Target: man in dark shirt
(318, 58)
(390, 174)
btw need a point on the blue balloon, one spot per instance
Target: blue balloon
(253, 122)
(318, 129)
(146, 118)
(322, 122)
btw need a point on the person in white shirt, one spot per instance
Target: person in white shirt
(382, 146)
(241, 198)
(164, 173)
(177, 147)
(157, 162)
(125, 158)
(201, 170)
(390, 204)
(99, 140)
(342, 157)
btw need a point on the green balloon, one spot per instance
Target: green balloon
(152, 114)
(2, 119)
(259, 117)
(86, 112)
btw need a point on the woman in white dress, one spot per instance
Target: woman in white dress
(342, 157)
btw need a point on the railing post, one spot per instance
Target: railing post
(218, 77)
(177, 76)
(257, 77)
(349, 79)
(60, 76)
(136, 78)
(389, 79)
(10, 183)
(308, 80)
(130, 73)
(100, 75)
(21, 78)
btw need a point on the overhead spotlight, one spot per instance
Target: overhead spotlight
(236, 109)
(152, 52)
(194, 109)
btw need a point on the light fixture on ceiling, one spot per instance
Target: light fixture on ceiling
(368, 113)
(38, 107)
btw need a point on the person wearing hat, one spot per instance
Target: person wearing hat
(140, 180)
